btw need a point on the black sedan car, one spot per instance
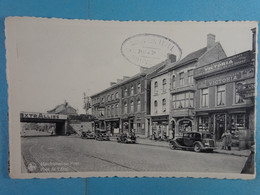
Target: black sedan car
(196, 141)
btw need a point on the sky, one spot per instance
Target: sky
(53, 60)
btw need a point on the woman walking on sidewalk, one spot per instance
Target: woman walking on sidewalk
(226, 136)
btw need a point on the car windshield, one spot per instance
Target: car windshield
(206, 136)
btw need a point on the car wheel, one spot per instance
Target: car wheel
(172, 145)
(197, 147)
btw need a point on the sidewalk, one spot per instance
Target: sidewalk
(234, 150)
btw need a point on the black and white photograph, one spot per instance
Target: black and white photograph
(92, 98)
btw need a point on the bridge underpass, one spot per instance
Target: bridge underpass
(60, 121)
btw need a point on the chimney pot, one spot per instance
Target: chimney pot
(171, 57)
(210, 40)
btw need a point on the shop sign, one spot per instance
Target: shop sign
(246, 90)
(32, 115)
(223, 64)
(227, 78)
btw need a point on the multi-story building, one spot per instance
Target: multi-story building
(225, 97)
(124, 105)
(173, 91)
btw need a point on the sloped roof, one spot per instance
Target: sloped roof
(61, 108)
(192, 56)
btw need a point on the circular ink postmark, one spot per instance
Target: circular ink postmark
(149, 49)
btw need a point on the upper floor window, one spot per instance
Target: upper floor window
(125, 92)
(102, 100)
(112, 96)
(164, 105)
(181, 78)
(183, 100)
(116, 109)
(190, 76)
(125, 107)
(112, 110)
(205, 97)
(221, 95)
(155, 106)
(108, 111)
(132, 90)
(138, 105)
(116, 96)
(139, 88)
(132, 106)
(173, 81)
(238, 98)
(164, 85)
(155, 87)
(108, 98)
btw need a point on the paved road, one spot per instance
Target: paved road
(69, 154)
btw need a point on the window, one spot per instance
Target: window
(155, 106)
(238, 98)
(190, 76)
(108, 98)
(108, 111)
(221, 95)
(181, 78)
(138, 105)
(125, 107)
(205, 97)
(132, 90)
(164, 85)
(125, 93)
(155, 87)
(116, 109)
(173, 82)
(112, 96)
(116, 96)
(183, 100)
(238, 121)
(139, 88)
(132, 106)
(164, 105)
(102, 100)
(203, 123)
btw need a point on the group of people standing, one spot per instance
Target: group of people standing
(226, 140)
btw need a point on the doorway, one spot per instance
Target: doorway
(220, 125)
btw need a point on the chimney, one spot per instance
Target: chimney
(119, 80)
(142, 69)
(253, 39)
(171, 58)
(125, 77)
(210, 40)
(112, 83)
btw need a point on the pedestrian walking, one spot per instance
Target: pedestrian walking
(226, 140)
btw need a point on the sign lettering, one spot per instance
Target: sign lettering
(42, 116)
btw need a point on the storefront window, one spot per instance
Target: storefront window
(205, 97)
(203, 123)
(221, 95)
(185, 125)
(238, 121)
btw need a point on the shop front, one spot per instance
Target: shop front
(180, 125)
(112, 126)
(160, 126)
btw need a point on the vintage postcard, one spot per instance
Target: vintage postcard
(133, 98)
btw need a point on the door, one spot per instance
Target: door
(220, 125)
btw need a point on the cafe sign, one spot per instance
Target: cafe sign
(34, 115)
(226, 63)
(227, 78)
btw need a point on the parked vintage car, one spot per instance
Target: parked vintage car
(102, 137)
(126, 138)
(87, 135)
(196, 141)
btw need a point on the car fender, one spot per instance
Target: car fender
(201, 145)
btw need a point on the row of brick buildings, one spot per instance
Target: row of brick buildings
(205, 91)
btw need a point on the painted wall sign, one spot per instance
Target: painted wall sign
(226, 63)
(227, 78)
(246, 90)
(34, 115)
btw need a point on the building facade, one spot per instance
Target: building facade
(225, 96)
(173, 91)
